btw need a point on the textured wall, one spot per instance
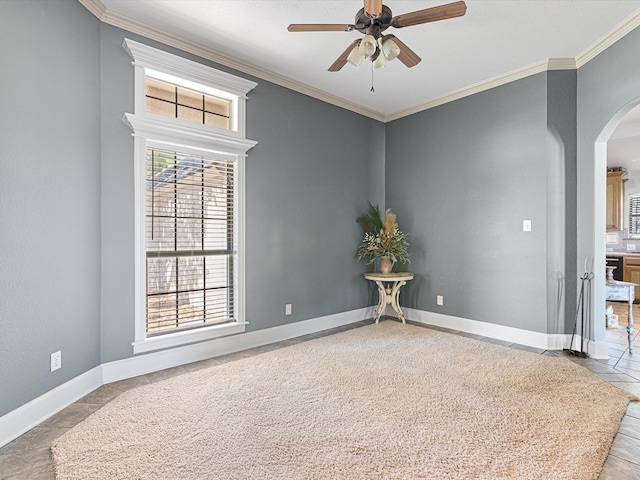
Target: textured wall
(49, 196)
(561, 206)
(462, 177)
(308, 179)
(310, 176)
(608, 87)
(67, 198)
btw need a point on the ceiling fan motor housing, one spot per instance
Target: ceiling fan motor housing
(373, 26)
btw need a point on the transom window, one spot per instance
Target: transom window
(180, 102)
(190, 146)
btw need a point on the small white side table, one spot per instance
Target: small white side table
(623, 292)
(388, 294)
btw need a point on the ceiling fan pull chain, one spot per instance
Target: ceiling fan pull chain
(372, 89)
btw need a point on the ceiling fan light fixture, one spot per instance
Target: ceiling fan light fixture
(368, 45)
(379, 62)
(389, 48)
(356, 56)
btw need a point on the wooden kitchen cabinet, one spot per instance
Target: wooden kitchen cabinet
(615, 199)
(632, 272)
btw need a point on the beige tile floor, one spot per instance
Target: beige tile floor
(28, 457)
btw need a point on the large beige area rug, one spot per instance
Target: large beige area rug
(386, 401)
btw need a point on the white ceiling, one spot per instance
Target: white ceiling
(495, 37)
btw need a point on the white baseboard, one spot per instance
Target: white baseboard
(31, 414)
(544, 341)
(153, 362)
(597, 350)
(492, 330)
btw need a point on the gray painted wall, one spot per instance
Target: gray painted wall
(117, 198)
(608, 87)
(462, 177)
(307, 182)
(67, 198)
(49, 196)
(561, 206)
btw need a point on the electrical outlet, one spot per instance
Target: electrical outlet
(287, 309)
(631, 247)
(440, 300)
(56, 360)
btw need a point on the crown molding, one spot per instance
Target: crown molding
(97, 8)
(527, 71)
(561, 64)
(134, 26)
(615, 34)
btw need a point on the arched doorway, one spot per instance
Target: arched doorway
(601, 155)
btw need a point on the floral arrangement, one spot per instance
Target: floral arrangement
(382, 238)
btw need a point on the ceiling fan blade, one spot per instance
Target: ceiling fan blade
(373, 8)
(320, 27)
(342, 59)
(406, 55)
(443, 12)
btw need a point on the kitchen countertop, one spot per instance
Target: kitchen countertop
(622, 254)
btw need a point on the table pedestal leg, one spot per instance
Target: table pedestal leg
(395, 296)
(382, 300)
(630, 330)
(389, 296)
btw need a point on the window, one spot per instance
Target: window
(634, 215)
(191, 249)
(189, 155)
(180, 102)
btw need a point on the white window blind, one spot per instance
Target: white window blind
(634, 214)
(191, 241)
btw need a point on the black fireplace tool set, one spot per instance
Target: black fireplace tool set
(583, 299)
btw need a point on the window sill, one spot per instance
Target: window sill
(190, 336)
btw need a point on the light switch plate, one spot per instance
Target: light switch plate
(526, 225)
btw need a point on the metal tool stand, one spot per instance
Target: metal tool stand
(584, 298)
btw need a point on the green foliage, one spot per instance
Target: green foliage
(383, 238)
(374, 219)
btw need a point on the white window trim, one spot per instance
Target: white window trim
(155, 130)
(170, 67)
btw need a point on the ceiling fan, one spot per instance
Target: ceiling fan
(374, 19)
